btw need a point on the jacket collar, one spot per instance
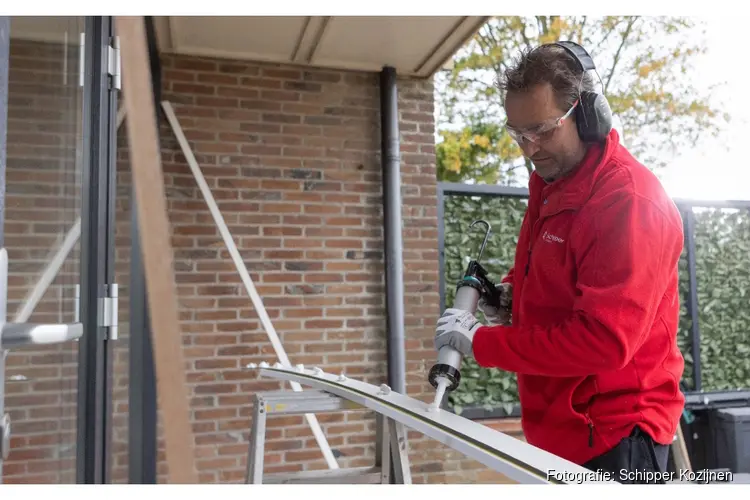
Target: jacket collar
(572, 191)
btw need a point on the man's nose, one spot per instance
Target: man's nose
(529, 148)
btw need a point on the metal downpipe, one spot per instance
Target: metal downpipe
(394, 266)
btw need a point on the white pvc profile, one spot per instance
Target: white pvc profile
(244, 274)
(515, 459)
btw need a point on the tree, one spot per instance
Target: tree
(645, 65)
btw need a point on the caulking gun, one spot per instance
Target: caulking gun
(445, 375)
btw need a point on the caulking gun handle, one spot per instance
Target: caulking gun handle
(494, 296)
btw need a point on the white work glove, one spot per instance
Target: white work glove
(456, 328)
(498, 316)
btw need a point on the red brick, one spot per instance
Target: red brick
(193, 88)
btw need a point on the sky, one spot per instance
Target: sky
(718, 169)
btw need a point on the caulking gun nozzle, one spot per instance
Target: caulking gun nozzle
(440, 392)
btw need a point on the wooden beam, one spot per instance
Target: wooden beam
(679, 451)
(148, 181)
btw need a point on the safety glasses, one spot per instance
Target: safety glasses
(539, 133)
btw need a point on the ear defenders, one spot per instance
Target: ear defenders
(593, 114)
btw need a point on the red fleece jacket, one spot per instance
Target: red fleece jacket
(595, 309)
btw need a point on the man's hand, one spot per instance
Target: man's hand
(494, 315)
(456, 328)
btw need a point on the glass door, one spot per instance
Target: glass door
(41, 229)
(57, 242)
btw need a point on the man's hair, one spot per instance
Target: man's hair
(548, 64)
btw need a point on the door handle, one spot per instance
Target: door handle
(24, 334)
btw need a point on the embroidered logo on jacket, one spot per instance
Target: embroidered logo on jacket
(551, 238)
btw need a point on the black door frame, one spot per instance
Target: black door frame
(95, 373)
(93, 445)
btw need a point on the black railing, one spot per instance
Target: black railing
(696, 396)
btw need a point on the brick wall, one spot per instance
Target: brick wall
(292, 157)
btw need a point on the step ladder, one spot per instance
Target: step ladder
(390, 447)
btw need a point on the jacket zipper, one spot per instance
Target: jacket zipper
(528, 261)
(591, 430)
(532, 237)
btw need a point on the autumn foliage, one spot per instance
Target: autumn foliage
(644, 65)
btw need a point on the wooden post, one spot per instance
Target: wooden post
(148, 181)
(680, 453)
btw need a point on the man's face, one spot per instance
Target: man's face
(556, 150)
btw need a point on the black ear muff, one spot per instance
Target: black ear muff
(593, 114)
(593, 117)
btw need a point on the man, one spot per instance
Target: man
(591, 330)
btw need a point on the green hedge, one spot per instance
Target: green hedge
(722, 240)
(481, 387)
(722, 255)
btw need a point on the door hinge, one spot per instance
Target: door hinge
(5, 437)
(77, 304)
(109, 311)
(82, 61)
(114, 64)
